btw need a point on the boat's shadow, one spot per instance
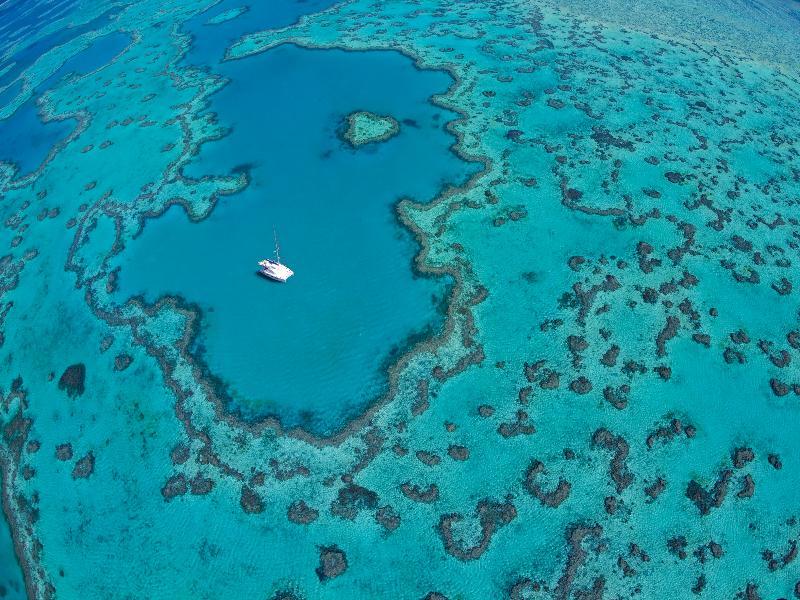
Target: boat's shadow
(260, 275)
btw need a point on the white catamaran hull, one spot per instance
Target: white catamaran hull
(275, 270)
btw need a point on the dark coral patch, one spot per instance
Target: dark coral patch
(520, 426)
(485, 410)
(581, 385)
(457, 452)
(654, 490)
(388, 518)
(179, 454)
(301, 513)
(618, 468)
(742, 456)
(332, 563)
(704, 499)
(175, 486)
(84, 467)
(200, 486)
(418, 494)
(430, 459)
(351, 499)
(554, 497)
(491, 515)
(748, 487)
(122, 362)
(250, 501)
(64, 451)
(576, 536)
(73, 380)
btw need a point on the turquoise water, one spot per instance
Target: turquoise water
(313, 353)
(11, 583)
(604, 400)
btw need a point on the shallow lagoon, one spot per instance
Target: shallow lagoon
(100, 52)
(27, 140)
(28, 53)
(214, 29)
(314, 351)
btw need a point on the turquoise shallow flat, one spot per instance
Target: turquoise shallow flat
(542, 336)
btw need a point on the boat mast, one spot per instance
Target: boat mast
(277, 248)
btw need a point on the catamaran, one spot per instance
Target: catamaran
(273, 269)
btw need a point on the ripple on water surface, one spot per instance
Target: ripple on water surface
(313, 351)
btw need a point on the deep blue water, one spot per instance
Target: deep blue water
(19, 18)
(26, 140)
(101, 51)
(209, 41)
(314, 350)
(8, 94)
(28, 53)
